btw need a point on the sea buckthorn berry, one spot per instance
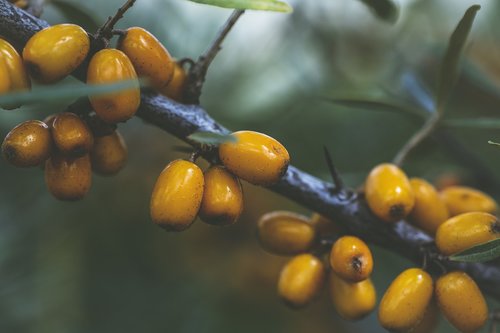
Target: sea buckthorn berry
(285, 233)
(461, 301)
(325, 226)
(389, 193)
(255, 157)
(71, 134)
(5, 82)
(28, 144)
(109, 154)
(54, 52)
(466, 230)
(177, 195)
(16, 72)
(175, 88)
(222, 201)
(68, 178)
(352, 300)
(429, 211)
(404, 304)
(462, 199)
(430, 321)
(300, 280)
(149, 56)
(351, 259)
(111, 66)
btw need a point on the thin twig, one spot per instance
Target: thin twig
(430, 125)
(198, 72)
(337, 181)
(106, 31)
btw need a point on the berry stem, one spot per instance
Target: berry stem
(106, 31)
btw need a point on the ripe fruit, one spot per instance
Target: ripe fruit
(255, 157)
(222, 201)
(68, 178)
(325, 226)
(351, 259)
(54, 52)
(388, 193)
(5, 83)
(148, 55)
(462, 199)
(15, 70)
(71, 134)
(466, 230)
(429, 211)
(28, 144)
(175, 88)
(431, 318)
(109, 154)
(111, 66)
(461, 301)
(352, 300)
(405, 302)
(177, 195)
(301, 279)
(285, 233)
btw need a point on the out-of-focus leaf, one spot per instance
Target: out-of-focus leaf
(210, 138)
(492, 123)
(493, 143)
(66, 92)
(386, 10)
(480, 253)
(376, 105)
(270, 5)
(76, 14)
(449, 68)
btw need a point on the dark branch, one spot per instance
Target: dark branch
(309, 191)
(106, 31)
(198, 71)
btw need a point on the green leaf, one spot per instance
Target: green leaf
(486, 123)
(210, 138)
(480, 253)
(76, 14)
(65, 92)
(386, 10)
(270, 5)
(493, 143)
(450, 65)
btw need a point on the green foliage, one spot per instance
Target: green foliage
(76, 14)
(210, 138)
(480, 253)
(270, 5)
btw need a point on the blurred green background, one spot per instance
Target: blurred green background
(100, 265)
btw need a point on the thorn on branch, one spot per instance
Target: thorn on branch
(337, 181)
(106, 31)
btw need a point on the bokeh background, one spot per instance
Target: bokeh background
(100, 265)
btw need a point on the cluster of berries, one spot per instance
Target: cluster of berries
(69, 146)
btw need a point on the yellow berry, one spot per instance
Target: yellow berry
(462, 199)
(5, 82)
(71, 134)
(222, 201)
(112, 66)
(255, 157)
(54, 52)
(429, 211)
(461, 301)
(404, 303)
(285, 233)
(109, 154)
(352, 300)
(325, 226)
(388, 193)
(466, 230)
(430, 321)
(16, 72)
(301, 279)
(351, 259)
(177, 195)
(28, 144)
(68, 178)
(175, 88)
(148, 55)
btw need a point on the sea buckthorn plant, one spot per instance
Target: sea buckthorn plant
(450, 235)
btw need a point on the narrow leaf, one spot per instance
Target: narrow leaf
(270, 5)
(485, 123)
(450, 65)
(66, 92)
(76, 14)
(386, 10)
(493, 143)
(480, 253)
(210, 138)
